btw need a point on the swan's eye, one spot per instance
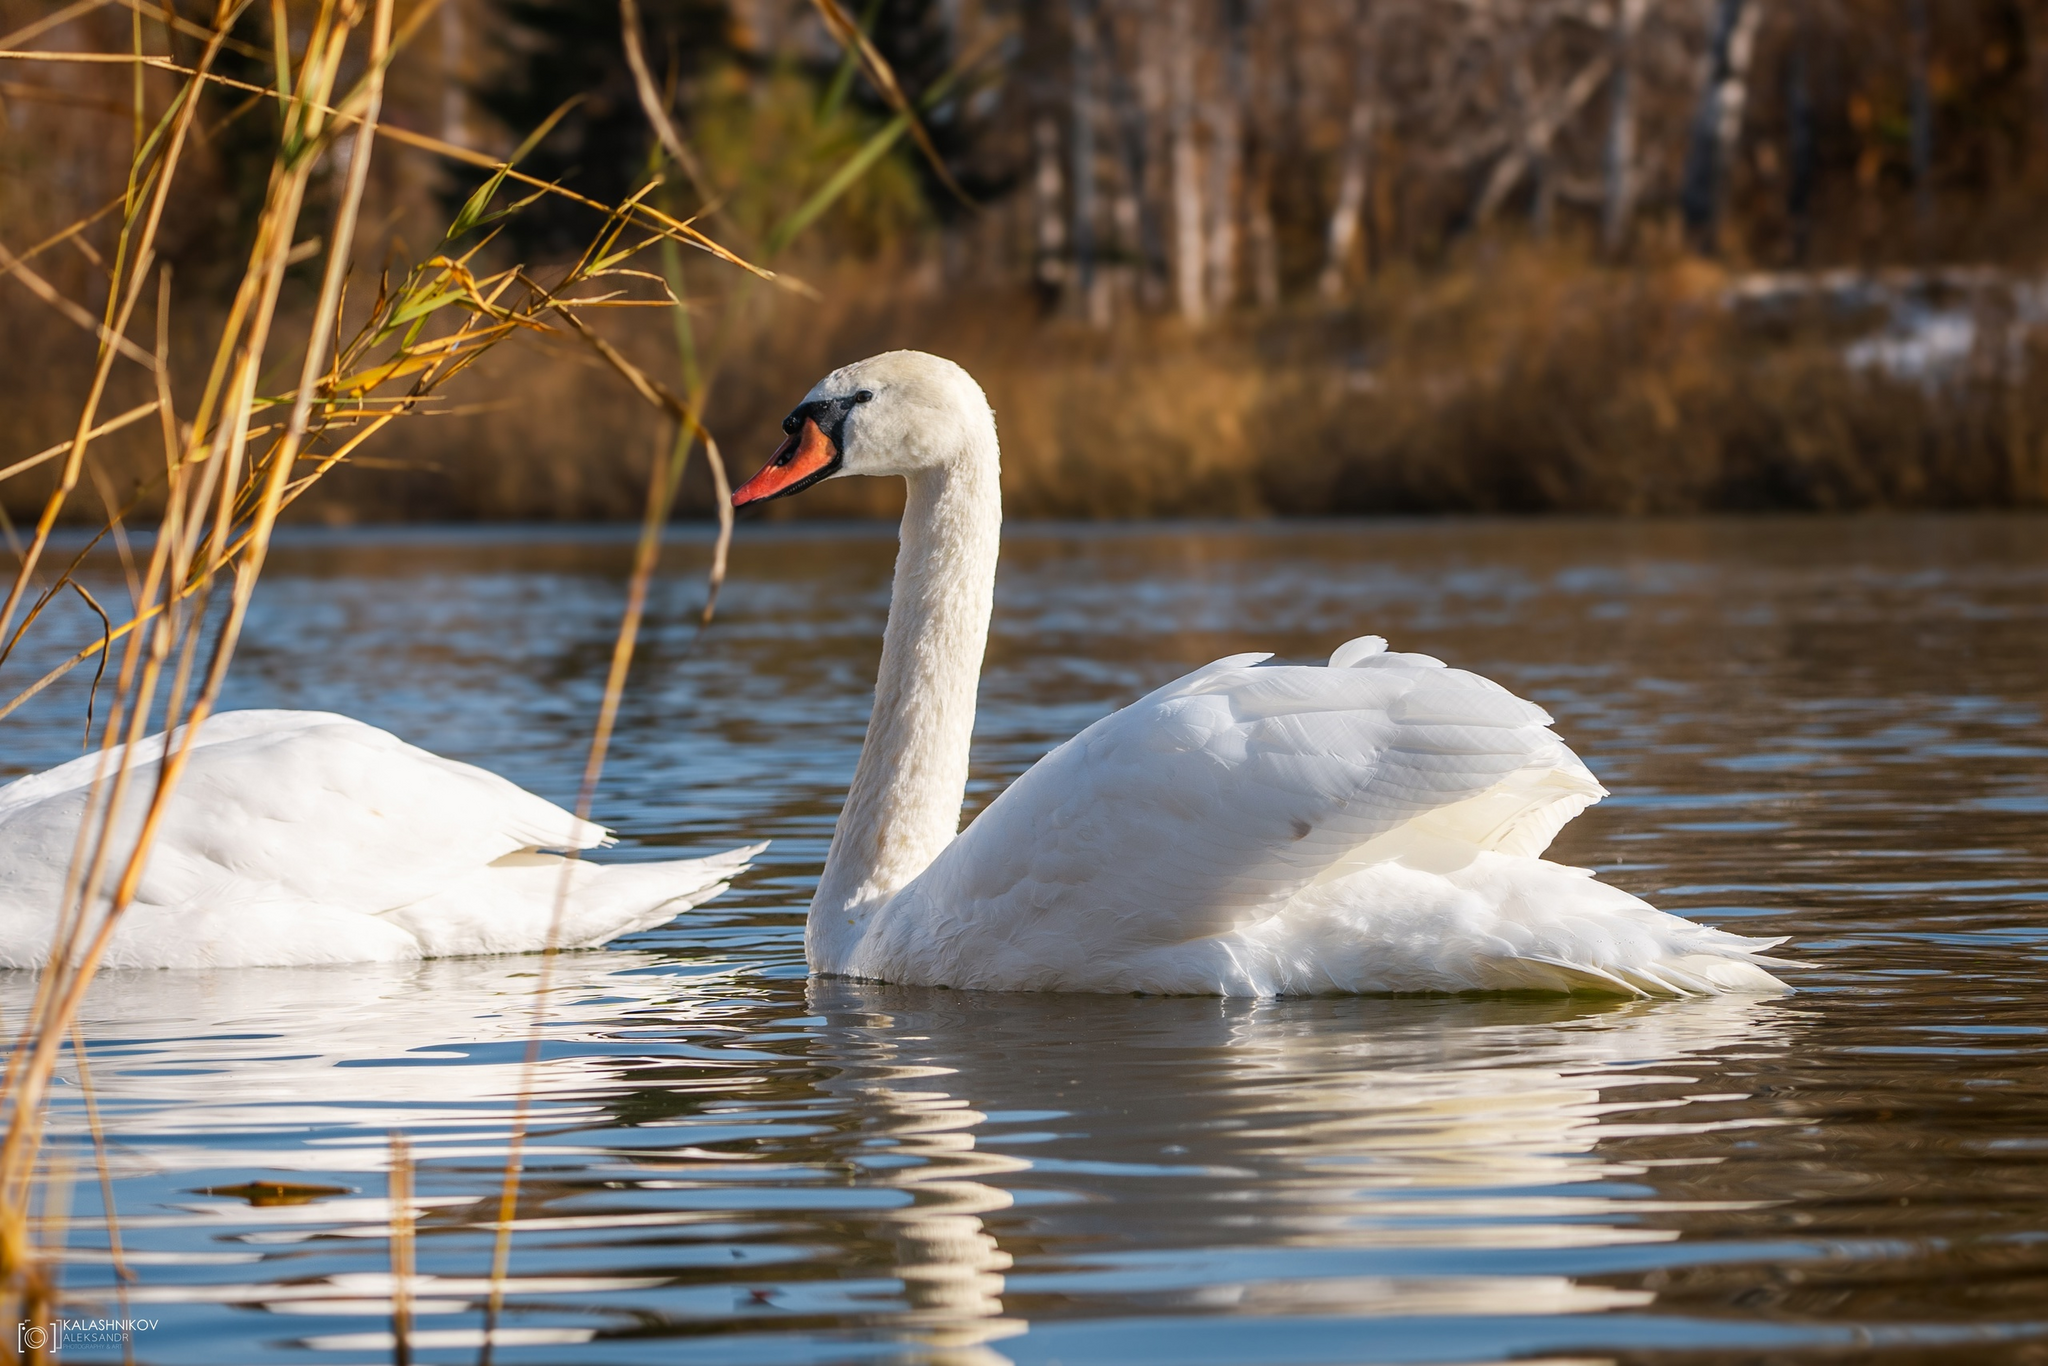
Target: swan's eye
(864, 396)
(789, 425)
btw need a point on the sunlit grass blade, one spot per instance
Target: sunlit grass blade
(883, 76)
(863, 160)
(841, 84)
(474, 208)
(845, 178)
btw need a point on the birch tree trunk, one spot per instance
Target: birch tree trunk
(1717, 121)
(1226, 134)
(1263, 96)
(1048, 206)
(1186, 170)
(1261, 239)
(1138, 96)
(1226, 131)
(1618, 199)
(1126, 217)
(1540, 123)
(1081, 21)
(1354, 177)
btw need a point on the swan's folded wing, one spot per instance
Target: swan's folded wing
(286, 806)
(1207, 805)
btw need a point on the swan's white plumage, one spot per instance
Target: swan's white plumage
(1373, 825)
(307, 837)
(1287, 830)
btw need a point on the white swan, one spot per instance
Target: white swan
(1372, 826)
(299, 837)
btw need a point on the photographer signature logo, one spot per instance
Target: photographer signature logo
(54, 1335)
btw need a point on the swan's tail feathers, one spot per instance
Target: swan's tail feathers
(625, 897)
(1726, 964)
(1503, 922)
(517, 904)
(1558, 923)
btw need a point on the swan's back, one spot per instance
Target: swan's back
(298, 837)
(1230, 833)
(1212, 802)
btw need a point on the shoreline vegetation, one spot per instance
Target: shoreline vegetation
(1530, 381)
(300, 372)
(1208, 258)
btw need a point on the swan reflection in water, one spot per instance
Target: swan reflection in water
(360, 1047)
(1135, 1155)
(218, 1083)
(1190, 1146)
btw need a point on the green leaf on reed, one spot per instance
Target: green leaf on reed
(842, 180)
(872, 151)
(475, 207)
(422, 306)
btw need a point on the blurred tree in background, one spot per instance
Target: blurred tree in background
(545, 53)
(1200, 156)
(1481, 253)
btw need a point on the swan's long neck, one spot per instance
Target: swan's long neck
(904, 805)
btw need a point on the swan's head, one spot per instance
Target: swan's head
(901, 413)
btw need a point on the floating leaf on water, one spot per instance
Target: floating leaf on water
(276, 1192)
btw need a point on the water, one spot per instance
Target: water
(1827, 729)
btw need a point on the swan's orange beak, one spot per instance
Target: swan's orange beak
(803, 458)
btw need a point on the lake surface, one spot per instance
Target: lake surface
(1828, 729)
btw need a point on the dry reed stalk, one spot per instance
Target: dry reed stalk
(233, 380)
(664, 481)
(61, 986)
(121, 301)
(30, 32)
(399, 1190)
(882, 76)
(645, 216)
(53, 1222)
(222, 496)
(110, 1214)
(652, 103)
(32, 1061)
(441, 283)
(10, 264)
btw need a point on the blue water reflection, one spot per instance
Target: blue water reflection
(1829, 729)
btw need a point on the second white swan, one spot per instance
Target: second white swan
(302, 837)
(1249, 830)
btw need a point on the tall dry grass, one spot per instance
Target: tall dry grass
(1533, 383)
(1489, 372)
(1522, 379)
(220, 503)
(229, 463)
